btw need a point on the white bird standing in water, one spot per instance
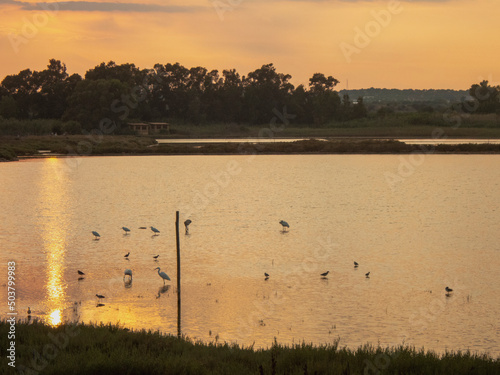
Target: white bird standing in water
(284, 224)
(163, 275)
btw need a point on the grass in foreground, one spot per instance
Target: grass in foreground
(107, 349)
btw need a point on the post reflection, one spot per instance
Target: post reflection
(54, 225)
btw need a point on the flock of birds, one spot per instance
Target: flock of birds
(165, 277)
(324, 275)
(128, 272)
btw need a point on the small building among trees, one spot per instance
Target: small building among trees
(148, 128)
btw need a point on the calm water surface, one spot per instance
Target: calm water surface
(417, 225)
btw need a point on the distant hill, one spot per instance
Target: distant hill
(373, 95)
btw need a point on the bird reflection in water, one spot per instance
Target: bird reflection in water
(162, 290)
(127, 283)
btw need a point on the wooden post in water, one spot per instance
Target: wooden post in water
(178, 274)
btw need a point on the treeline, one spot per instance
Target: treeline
(379, 95)
(172, 92)
(117, 94)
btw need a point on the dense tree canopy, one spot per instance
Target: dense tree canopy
(170, 92)
(486, 98)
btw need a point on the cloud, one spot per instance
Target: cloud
(93, 6)
(371, 1)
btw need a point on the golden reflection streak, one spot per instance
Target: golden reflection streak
(53, 205)
(55, 318)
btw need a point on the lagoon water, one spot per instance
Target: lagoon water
(416, 223)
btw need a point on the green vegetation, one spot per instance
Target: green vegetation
(81, 145)
(90, 115)
(37, 146)
(172, 92)
(107, 349)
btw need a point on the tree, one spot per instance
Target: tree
(359, 109)
(8, 107)
(324, 100)
(125, 73)
(486, 98)
(169, 95)
(24, 90)
(264, 91)
(226, 102)
(41, 94)
(55, 86)
(301, 105)
(318, 83)
(95, 100)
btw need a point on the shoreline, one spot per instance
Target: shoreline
(15, 149)
(62, 156)
(109, 348)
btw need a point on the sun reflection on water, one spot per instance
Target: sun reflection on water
(53, 224)
(55, 318)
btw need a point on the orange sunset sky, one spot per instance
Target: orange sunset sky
(406, 44)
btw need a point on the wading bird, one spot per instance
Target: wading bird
(367, 274)
(448, 291)
(156, 231)
(126, 230)
(126, 255)
(284, 224)
(29, 311)
(100, 296)
(156, 256)
(80, 272)
(325, 273)
(97, 235)
(163, 275)
(356, 264)
(127, 272)
(186, 224)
